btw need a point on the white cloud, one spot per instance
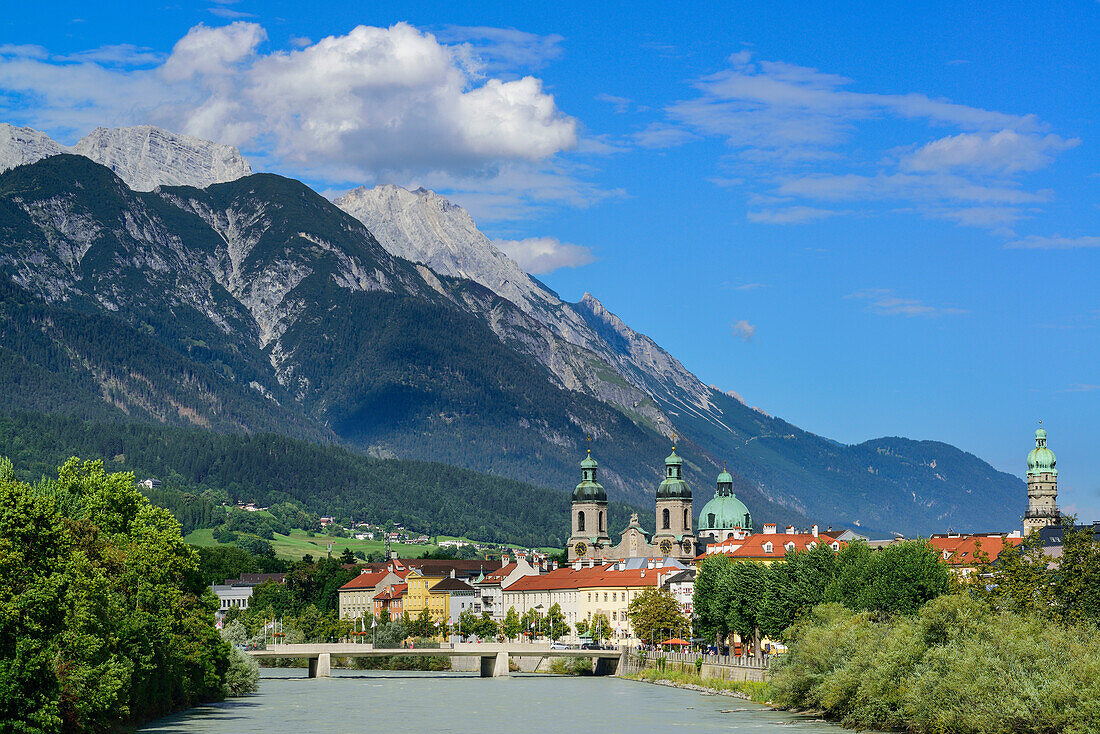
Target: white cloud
(1055, 242)
(377, 102)
(797, 133)
(1005, 151)
(620, 104)
(660, 135)
(743, 330)
(541, 255)
(790, 215)
(503, 49)
(750, 286)
(884, 301)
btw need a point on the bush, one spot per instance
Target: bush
(956, 666)
(243, 676)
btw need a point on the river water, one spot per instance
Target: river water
(385, 701)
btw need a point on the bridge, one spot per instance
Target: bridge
(494, 656)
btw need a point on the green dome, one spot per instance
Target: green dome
(589, 490)
(725, 513)
(725, 478)
(1041, 460)
(673, 486)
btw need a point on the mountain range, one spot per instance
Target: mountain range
(149, 276)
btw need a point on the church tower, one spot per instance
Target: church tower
(1042, 486)
(674, 536)
(589, 538)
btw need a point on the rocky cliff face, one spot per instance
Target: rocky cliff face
(143, 156)
(609, 360)
(23, 145)
(146, 157)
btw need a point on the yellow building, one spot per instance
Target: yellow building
(420, 595)
(610, 594)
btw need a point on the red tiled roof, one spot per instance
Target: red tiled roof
(364, 581)
(499, 575)
(392, 592)
(962, 550)
(754, 545)
(602, 575)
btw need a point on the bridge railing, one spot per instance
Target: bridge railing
(640, 658)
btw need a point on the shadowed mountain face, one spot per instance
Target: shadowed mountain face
(257, 305)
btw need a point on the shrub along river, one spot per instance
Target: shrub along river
(354, 700)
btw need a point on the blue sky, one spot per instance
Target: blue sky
(866, 220)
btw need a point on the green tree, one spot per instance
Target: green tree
(712, 597)
(513, 625)
(486, 627)
(556, 626)
(423, 625)
(896, 579)
(747, 583)
(468, 623)
(600, 627)
(655, 613)
(797, 583)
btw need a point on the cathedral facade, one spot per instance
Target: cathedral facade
(674, 536)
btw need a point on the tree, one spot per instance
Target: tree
(1076, 581)
(468, 623)
(423, 625)
(556, 625)
(655, 613)
(582, 627)
(747, 588)
(798, 583)
(600, 627)
(485, 627)
(712, 597)
(896, 579)
(347, 556)
(512, 626)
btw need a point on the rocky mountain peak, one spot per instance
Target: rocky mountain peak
(146, 157)
(143, 156)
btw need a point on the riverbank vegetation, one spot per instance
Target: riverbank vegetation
(104, 616)
(757, 691)
(882, 639)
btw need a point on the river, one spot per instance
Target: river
(358, 701)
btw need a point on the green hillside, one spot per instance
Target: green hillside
(326, 480)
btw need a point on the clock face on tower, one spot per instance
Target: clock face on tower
(687, 545)
(666, 546)
(581, 548)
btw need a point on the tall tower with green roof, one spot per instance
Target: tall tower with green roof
(1042, 486)
(589, 538)
(674, 536)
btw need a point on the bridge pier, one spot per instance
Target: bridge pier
(495, 666)
(320, 666)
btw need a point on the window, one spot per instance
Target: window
(710, 519)
(687, 519)
(580, 521)
(605, 596)
(665, 519)
(789, 547)
(614, 616)
(590, 596)
(768, 547)
(601, 521)
(836, 546)
(614, 596)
